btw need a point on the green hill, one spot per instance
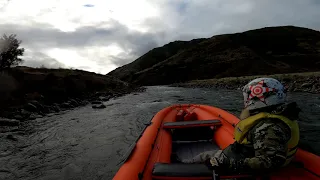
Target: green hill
(265, 51)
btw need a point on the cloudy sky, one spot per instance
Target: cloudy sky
(100, 35)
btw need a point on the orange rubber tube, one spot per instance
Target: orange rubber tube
(155, 146)
(136, 163)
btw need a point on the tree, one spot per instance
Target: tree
(10, 51)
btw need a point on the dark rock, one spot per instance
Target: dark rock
(99, 106)
(73, 102)
(37, 105)
(25, 113)
(96, 102)
(65, 105)
(18, 117)
(306, 85)
(291, 87)
(50, 114)
(35, 116)
(84, 102)
(55, 108)
(9, 122)
(107, 98)
(47, 109)
(71, 105)
(30, 107)
(22, 115)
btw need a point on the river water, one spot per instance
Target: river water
(85, 143)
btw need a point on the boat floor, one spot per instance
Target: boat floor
(190, 142)
(188, 150)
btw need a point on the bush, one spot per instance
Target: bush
(7, 86)
(10, 51)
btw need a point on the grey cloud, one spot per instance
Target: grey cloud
(38, 59)
(178, 21)
(43, 36)
(216, 17)
(133, 42)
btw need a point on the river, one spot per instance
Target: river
(85, 143)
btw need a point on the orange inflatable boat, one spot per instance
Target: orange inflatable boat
(183, 131)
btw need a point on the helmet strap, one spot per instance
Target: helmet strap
(245, 113)
(269, 109)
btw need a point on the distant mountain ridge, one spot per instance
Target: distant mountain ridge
(269, 50)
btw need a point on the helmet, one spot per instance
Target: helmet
(263, 92)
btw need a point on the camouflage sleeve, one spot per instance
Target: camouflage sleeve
(269, 141)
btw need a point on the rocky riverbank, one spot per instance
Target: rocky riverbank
(296, 82)
(29, 93)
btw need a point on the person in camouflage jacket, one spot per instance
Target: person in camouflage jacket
(267, 135)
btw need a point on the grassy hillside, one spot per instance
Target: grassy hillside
(152, 58)
(264, 51)
(301, 82)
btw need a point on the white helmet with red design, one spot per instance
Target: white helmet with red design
(263, 92)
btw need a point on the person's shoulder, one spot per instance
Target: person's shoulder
(271, 122)
(272, 126)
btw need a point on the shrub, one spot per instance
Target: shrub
(10, 51)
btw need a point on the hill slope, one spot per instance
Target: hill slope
(262, 51)
(50, 89)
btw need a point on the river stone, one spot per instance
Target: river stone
(71, 105)
(9, 122)
(24, 112)
(47, 109)
(55, 107)
(18, 117)
(106, 98)
(37, 104)
(50, 114)
(306, 85)
(96, 102)
(291, 87)
(81, 103)
(35, 116)
(31, 107)
(74, 102)
(65, 105)
(99, 106)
